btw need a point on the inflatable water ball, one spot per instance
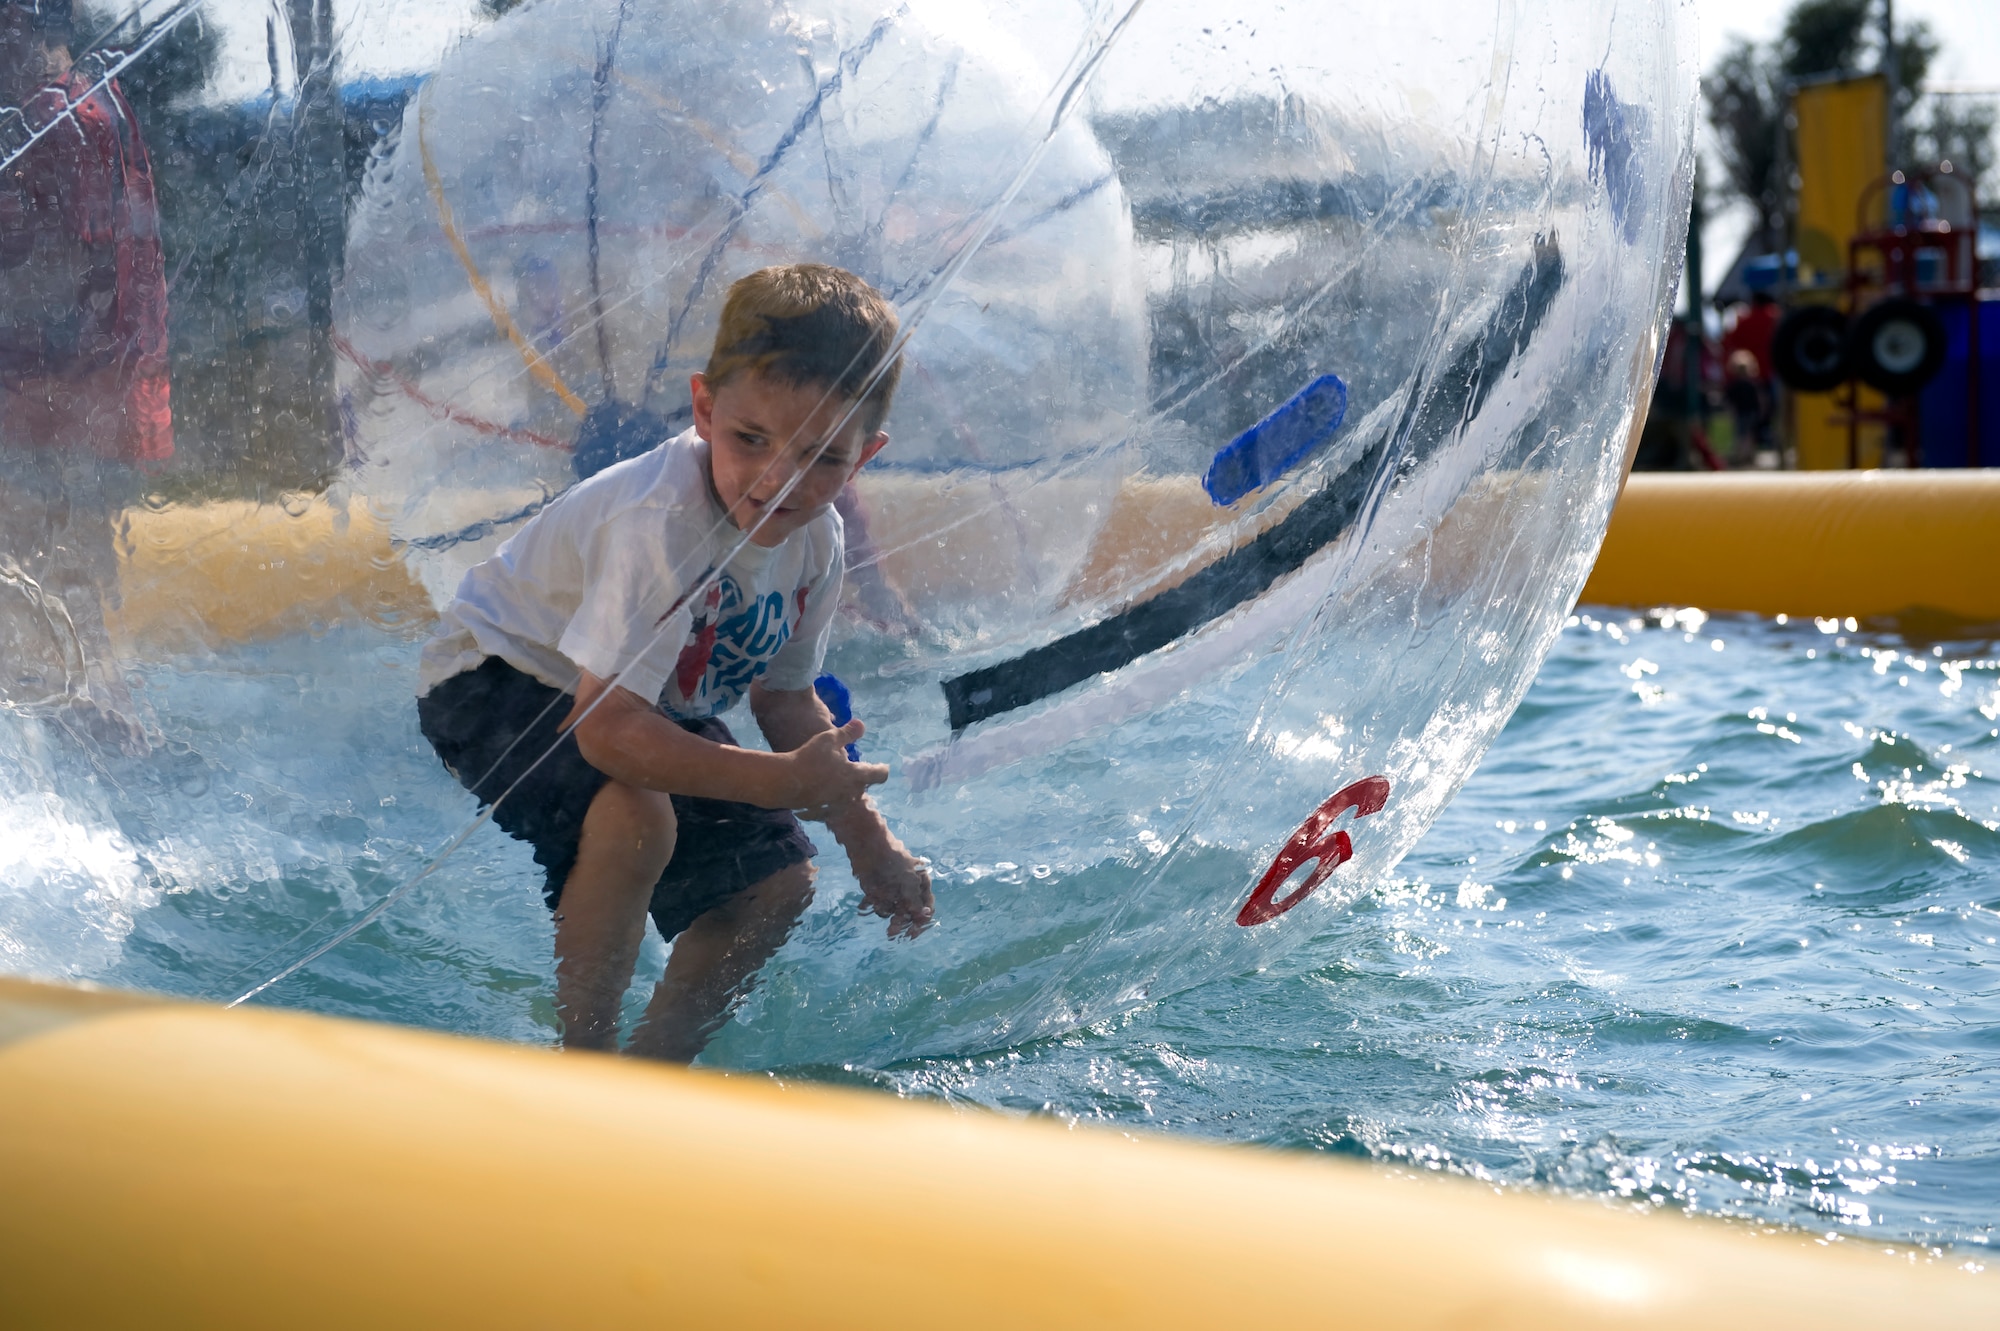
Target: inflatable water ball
(1269, 373)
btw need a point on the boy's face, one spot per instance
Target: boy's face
(761, 432)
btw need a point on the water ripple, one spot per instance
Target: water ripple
(1712, 930)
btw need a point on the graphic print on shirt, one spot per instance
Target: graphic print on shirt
(731, 641)
(693, 662)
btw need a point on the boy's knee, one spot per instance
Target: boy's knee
(786, 893)
(638, 806)
(635, 818)
(798, 880)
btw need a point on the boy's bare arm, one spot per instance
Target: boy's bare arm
(894, 883)
(628, 740)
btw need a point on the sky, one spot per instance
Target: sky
(395, 36)
(410, 36)
(1968, 29)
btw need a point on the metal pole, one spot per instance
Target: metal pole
(1691, 279)
(318, 154)
(1890, 144)
(1784, 222)
(1973, 428)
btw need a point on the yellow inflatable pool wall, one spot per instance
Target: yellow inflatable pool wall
(1866, 543)
(202, 575)
(174, 1165)
(1872, 544)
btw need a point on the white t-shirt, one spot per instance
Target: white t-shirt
(591, 583)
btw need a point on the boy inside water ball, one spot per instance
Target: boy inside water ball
(582, 670)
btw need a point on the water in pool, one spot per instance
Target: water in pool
(1709, 929)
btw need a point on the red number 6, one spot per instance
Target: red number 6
(1312, 842)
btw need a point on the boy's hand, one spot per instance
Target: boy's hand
(826, 786)
(822, 774)
(897, 886)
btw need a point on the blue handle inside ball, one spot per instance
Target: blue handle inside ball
(1267, 450)
(841, 704)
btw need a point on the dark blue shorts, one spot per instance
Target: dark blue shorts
(491, 723)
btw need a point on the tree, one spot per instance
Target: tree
(1746, 105)
(1749, 86)
(1960, 131)
(1823, 37)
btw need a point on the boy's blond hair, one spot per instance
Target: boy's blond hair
(805, 324)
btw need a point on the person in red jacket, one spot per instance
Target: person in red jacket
(1751, 330)
(84, 403)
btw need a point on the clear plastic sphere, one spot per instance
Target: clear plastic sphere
(1269, 376)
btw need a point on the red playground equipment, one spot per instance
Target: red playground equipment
(1915, 248)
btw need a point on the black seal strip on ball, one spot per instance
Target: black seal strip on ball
(1897, 346)
(1451, 401)
(1809, 349)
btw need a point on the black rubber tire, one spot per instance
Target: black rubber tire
(1897, 346)
(1809, 349)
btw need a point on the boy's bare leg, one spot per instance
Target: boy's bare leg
(714, 958)
(628, 837)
